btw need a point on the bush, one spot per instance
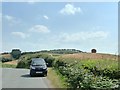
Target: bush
(26, 60)
(21, 64)
(113, 73)
(48, 59)
(6, 59)
(104, 83)
(80, 76)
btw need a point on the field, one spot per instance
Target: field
(14, 62)
(101, 61)
(91, 56)
(9, 63)
(89, 70)
(6, 56)
(80, 70)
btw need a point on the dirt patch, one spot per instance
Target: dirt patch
(12, 62)
(6, 56)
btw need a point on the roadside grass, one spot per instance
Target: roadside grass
(9, 64)
(99, 63)
(57, 80)
(2, 65)
(89, 73)
(13, 62)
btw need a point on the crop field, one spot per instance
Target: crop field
(91, 56)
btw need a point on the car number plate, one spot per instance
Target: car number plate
(38, 72)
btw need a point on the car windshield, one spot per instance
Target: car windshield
(38, 62)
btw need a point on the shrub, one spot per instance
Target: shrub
(26, 60)
(81, 76)
(48, 59)
(6, 59)
(21, 64)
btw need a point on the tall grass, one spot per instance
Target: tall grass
(89, 72)
(2, 65)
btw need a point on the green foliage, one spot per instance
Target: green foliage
(55, 51)
(8, 65)
(105, 83)
(107, 68)
(48, 59)
(6, 59)
(64, 51)
(16, 53)
(100, 67)
(83, 75)
(25, 60)
(21, 64)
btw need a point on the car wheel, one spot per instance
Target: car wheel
(31, 75)
(45, 74)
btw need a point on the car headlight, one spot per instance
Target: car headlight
(32, 67)
(44, 67)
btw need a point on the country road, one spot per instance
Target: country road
(19, 78)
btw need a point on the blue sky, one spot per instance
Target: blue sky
(44, 26)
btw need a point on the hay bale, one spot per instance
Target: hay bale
(93, 51)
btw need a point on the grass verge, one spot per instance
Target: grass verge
(57, 80)
(2, 65)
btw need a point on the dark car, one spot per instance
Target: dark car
(38, 67)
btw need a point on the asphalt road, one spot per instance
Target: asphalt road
(20, 78)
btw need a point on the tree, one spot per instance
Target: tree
(16, 53)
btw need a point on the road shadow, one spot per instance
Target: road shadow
(28, 76)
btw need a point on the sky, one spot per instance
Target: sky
(35, 26)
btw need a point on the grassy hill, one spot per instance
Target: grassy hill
(91, 56)
(78, 69)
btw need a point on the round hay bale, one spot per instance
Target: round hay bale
(93, 51)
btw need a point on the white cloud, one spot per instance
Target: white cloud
(83, 36)
(39, 29)
(46, 17)
(11, 20)
(20, 34)
(33, 1)
(70, 9)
